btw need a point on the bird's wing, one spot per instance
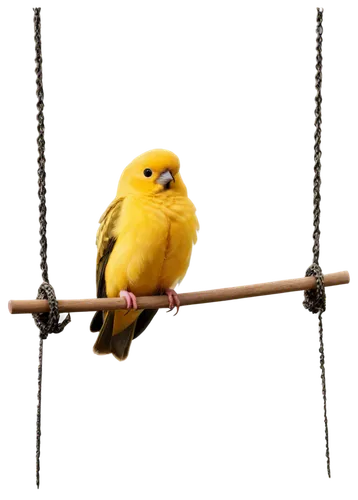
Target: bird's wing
(118, 344)
(105, 242)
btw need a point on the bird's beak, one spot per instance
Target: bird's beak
(165, 179)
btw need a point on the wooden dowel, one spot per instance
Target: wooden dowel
(156, 302)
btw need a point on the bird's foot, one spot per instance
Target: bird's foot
(173, 299)
(130, 298)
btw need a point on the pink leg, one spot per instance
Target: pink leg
(130, 298)
(173, 300)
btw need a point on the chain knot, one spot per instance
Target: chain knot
(315, 300)
(49, 322)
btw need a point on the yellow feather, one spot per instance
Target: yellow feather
(107, 222)
(154, 228)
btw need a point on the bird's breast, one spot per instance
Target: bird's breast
(160, 232)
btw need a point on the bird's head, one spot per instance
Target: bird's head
(155, 172)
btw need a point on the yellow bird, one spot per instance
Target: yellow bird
(144, 244)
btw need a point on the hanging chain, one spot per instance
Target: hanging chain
(315, 300)
(46, 322)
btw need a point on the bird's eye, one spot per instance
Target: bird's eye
(147, 172)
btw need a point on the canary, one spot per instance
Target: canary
(144, 244)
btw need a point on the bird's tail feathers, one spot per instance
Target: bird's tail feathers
(103, 342)
(121, 342)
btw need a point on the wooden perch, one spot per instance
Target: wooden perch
(186, 299)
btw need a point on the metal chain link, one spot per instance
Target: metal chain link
(315, 300)
(47, 322)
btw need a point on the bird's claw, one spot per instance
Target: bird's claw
(173, 300)
(130, 298)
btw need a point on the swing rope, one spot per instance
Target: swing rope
(46, 322)
(315, 300)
